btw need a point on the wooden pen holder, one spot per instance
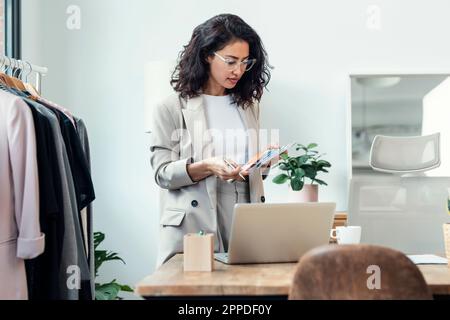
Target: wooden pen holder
(198, 252)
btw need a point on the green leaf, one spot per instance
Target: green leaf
(293, 163)
(110, 291)
(113, 256)
(297, 184)
(312, 145)
(284, 156)
(310, 171)
(102, 256)
(302, 160)
(324, 163)
(300, 146)
(280, 179)
(283, 166)
(98, 238)
(322, 183)
(107, 291)
(126, 288)
(99, 258)
(299, 173)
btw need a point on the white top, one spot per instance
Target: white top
(227, 128)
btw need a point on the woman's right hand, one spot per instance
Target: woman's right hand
(218, 167)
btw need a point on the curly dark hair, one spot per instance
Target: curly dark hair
(192, 71)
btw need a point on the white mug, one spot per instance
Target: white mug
(346, 235)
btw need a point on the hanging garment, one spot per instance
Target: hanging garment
(84, 138)
(42, 272)
(56, 106)
(84, 191)
(72, 249)
(80, 171)
(20, 233)
(74, 254)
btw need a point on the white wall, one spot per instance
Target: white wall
(98, 72)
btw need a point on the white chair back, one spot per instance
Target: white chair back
(400, 155)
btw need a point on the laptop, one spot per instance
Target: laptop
(278, 232)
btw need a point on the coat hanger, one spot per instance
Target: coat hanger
(17, 83)
(21, 72)
(4, 78)
(35, 94)
(10, 81)
(1, 68)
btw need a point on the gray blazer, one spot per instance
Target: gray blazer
(179, 136)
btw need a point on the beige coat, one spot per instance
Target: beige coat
(20, 236)
(186, 206)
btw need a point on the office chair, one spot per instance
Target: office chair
(349, 272)
(401, 208)
(405, 155)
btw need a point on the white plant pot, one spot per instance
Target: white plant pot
(309, 193)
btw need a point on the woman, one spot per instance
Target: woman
(212, 119)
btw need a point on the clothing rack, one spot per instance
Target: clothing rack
(52, 190)
(25, 67)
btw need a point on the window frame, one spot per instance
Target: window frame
(13, 29)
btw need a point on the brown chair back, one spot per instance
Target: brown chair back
(362, 272)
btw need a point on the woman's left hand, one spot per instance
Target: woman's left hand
(274, 161)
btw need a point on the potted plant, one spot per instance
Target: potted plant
(300, 169)
(110, 290)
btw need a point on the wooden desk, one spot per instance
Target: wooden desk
(251, 280)
(257, 280)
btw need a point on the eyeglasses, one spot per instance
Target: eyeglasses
(233, 64)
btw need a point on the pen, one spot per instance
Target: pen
(233, 167)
